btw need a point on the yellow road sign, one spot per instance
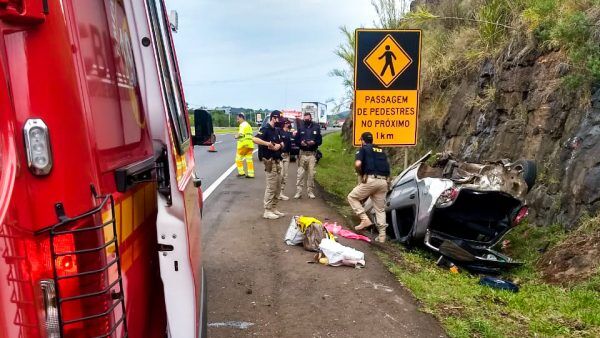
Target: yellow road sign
(386, 79)
(387, 60)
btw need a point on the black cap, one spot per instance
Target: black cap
(275, 113)
(241, 115)
(367, 137)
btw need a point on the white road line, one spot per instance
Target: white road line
(206, 193)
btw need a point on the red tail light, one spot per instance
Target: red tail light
(521, 215)
(63, 281)
(78, 280)
(447, 197)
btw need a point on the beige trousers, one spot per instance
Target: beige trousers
(285, 165)
(306, 171)
(376, 188)
(273, 184)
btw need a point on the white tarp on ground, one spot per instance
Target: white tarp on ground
(338, 254)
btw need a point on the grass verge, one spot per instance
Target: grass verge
(464, 308)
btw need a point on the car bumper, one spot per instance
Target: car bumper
(484, 258)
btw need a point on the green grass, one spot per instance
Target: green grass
(335, 171)
(463, 307)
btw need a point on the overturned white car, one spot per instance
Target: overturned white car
(460, 209)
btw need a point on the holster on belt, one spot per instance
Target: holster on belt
(268, 165)
(363, 179)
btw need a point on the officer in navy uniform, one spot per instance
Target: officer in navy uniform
(270, 145)
(372, 166)
(308, 139)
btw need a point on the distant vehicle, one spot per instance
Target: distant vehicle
(459, 209)
(318, 111)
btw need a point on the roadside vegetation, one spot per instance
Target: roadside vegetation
(467, 309)
(460, 35)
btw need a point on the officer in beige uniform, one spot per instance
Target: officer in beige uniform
(308, 139)
(270, 145)
(372, 166)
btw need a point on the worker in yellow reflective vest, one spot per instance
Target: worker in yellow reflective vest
(245, 147)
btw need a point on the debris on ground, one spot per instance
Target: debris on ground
(337, 230)
(338, 254)
(498, 283)
(313, 231)
(318, 237)
(293, 236)
(307, 231)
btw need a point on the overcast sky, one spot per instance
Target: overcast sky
(263, 53)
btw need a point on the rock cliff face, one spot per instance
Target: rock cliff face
(516, 107)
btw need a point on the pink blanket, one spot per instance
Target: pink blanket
(338, 231)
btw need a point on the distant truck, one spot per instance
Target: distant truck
(318, 111)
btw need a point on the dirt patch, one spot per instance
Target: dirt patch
(575, 259)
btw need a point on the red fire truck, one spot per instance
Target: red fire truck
(99, 204)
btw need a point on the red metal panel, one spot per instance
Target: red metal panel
(75, 71)
(22, 11)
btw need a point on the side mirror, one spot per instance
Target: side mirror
(174, 21)
(203, 129)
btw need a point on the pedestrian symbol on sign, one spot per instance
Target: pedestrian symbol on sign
(387, 61)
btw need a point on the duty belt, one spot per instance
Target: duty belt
(378, 177)
(309, 152)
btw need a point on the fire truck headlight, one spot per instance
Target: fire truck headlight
(37, 145)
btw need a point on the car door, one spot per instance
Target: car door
(178, 219)
(402, 205)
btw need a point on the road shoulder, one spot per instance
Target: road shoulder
(256, 279)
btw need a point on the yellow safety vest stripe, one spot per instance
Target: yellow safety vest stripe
(245, 140)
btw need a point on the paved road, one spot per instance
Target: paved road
(258, 286)
(210, 166)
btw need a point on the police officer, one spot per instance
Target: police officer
(308, 139)
(287, 136)
(372, 166)
(270, 146)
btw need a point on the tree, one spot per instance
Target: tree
(390, 14)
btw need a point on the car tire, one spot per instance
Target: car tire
(529, 168)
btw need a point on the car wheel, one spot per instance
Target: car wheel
(529, 169)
